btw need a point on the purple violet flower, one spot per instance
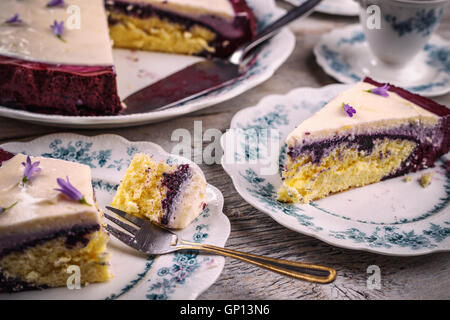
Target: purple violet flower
(58, 29)
(348, 109)
(54, 3)
(30, 169)
(381, 91)
(15, 19)
(70, 191)
(3, 210)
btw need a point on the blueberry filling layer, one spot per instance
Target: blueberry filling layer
(431, 144)
(10, 284)
(173, 182)
(74, 236)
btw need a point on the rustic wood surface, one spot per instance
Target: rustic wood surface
(422, 277)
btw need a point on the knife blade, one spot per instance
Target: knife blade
(186, 84)
(206, 76)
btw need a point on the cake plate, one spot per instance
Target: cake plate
(181, 275)
(138, 69)
(392, 217)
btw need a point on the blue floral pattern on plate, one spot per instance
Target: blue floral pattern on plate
(391, 217)
(182, 275)
(340, 54)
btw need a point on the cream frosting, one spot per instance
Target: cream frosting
(198, 7)
(190, 202)
(370, 108)
(33, 40)
(38, 204)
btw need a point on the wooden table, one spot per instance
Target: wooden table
(419, 277)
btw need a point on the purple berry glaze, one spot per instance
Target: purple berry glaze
(5, 156)
(174, 183)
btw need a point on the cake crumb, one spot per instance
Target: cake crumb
(425, 179)
(407, 179)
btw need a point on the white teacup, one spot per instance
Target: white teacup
(397, 30)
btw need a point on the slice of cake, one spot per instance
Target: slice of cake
(194, 27)
(366, 134)
(57, 59)
(50, 226)
(169, 195)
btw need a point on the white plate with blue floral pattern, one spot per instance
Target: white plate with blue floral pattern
(182, 275)
(393, 217)
(138, 69)
(335, 7)
(345, 55)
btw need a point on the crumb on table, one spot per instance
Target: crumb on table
(407, 179)
(425, 179)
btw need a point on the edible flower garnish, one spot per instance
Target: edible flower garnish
(70, 191)
(30, 169)
(15, 19)
(54, 3)
(3, 210)
(381, 91)
(58, 29)
(348, 109)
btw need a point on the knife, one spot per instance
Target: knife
(208, 75)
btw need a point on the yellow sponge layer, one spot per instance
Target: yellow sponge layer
(342, 169)
(140, 192)
(48, 263)
(154, 34)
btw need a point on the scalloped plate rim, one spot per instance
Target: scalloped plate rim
(222, 218)
(280, 218)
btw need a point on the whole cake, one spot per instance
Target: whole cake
(195, 27)
(50, 64)
(49, 223)
(56, 56)
(366, 134)
(169, 195)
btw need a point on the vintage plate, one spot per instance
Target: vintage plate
(182, 275)
(137, 69)
(392, 217)
(345, 55)
(335, 7)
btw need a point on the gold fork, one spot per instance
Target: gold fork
(151, 239)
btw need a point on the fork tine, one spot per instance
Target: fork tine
(122, 224)
(122, 236)
(133, 219)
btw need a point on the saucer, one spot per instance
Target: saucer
(345, 55)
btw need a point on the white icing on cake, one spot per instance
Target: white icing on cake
(33, 40)
(190, 201)
(39, 206)
(372, 110)
(221, 8)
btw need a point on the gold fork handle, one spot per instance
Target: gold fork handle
(298, 270)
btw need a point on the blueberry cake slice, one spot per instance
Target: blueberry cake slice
(169, 195)
(44, 233)
(366, 134)
(193, 27)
